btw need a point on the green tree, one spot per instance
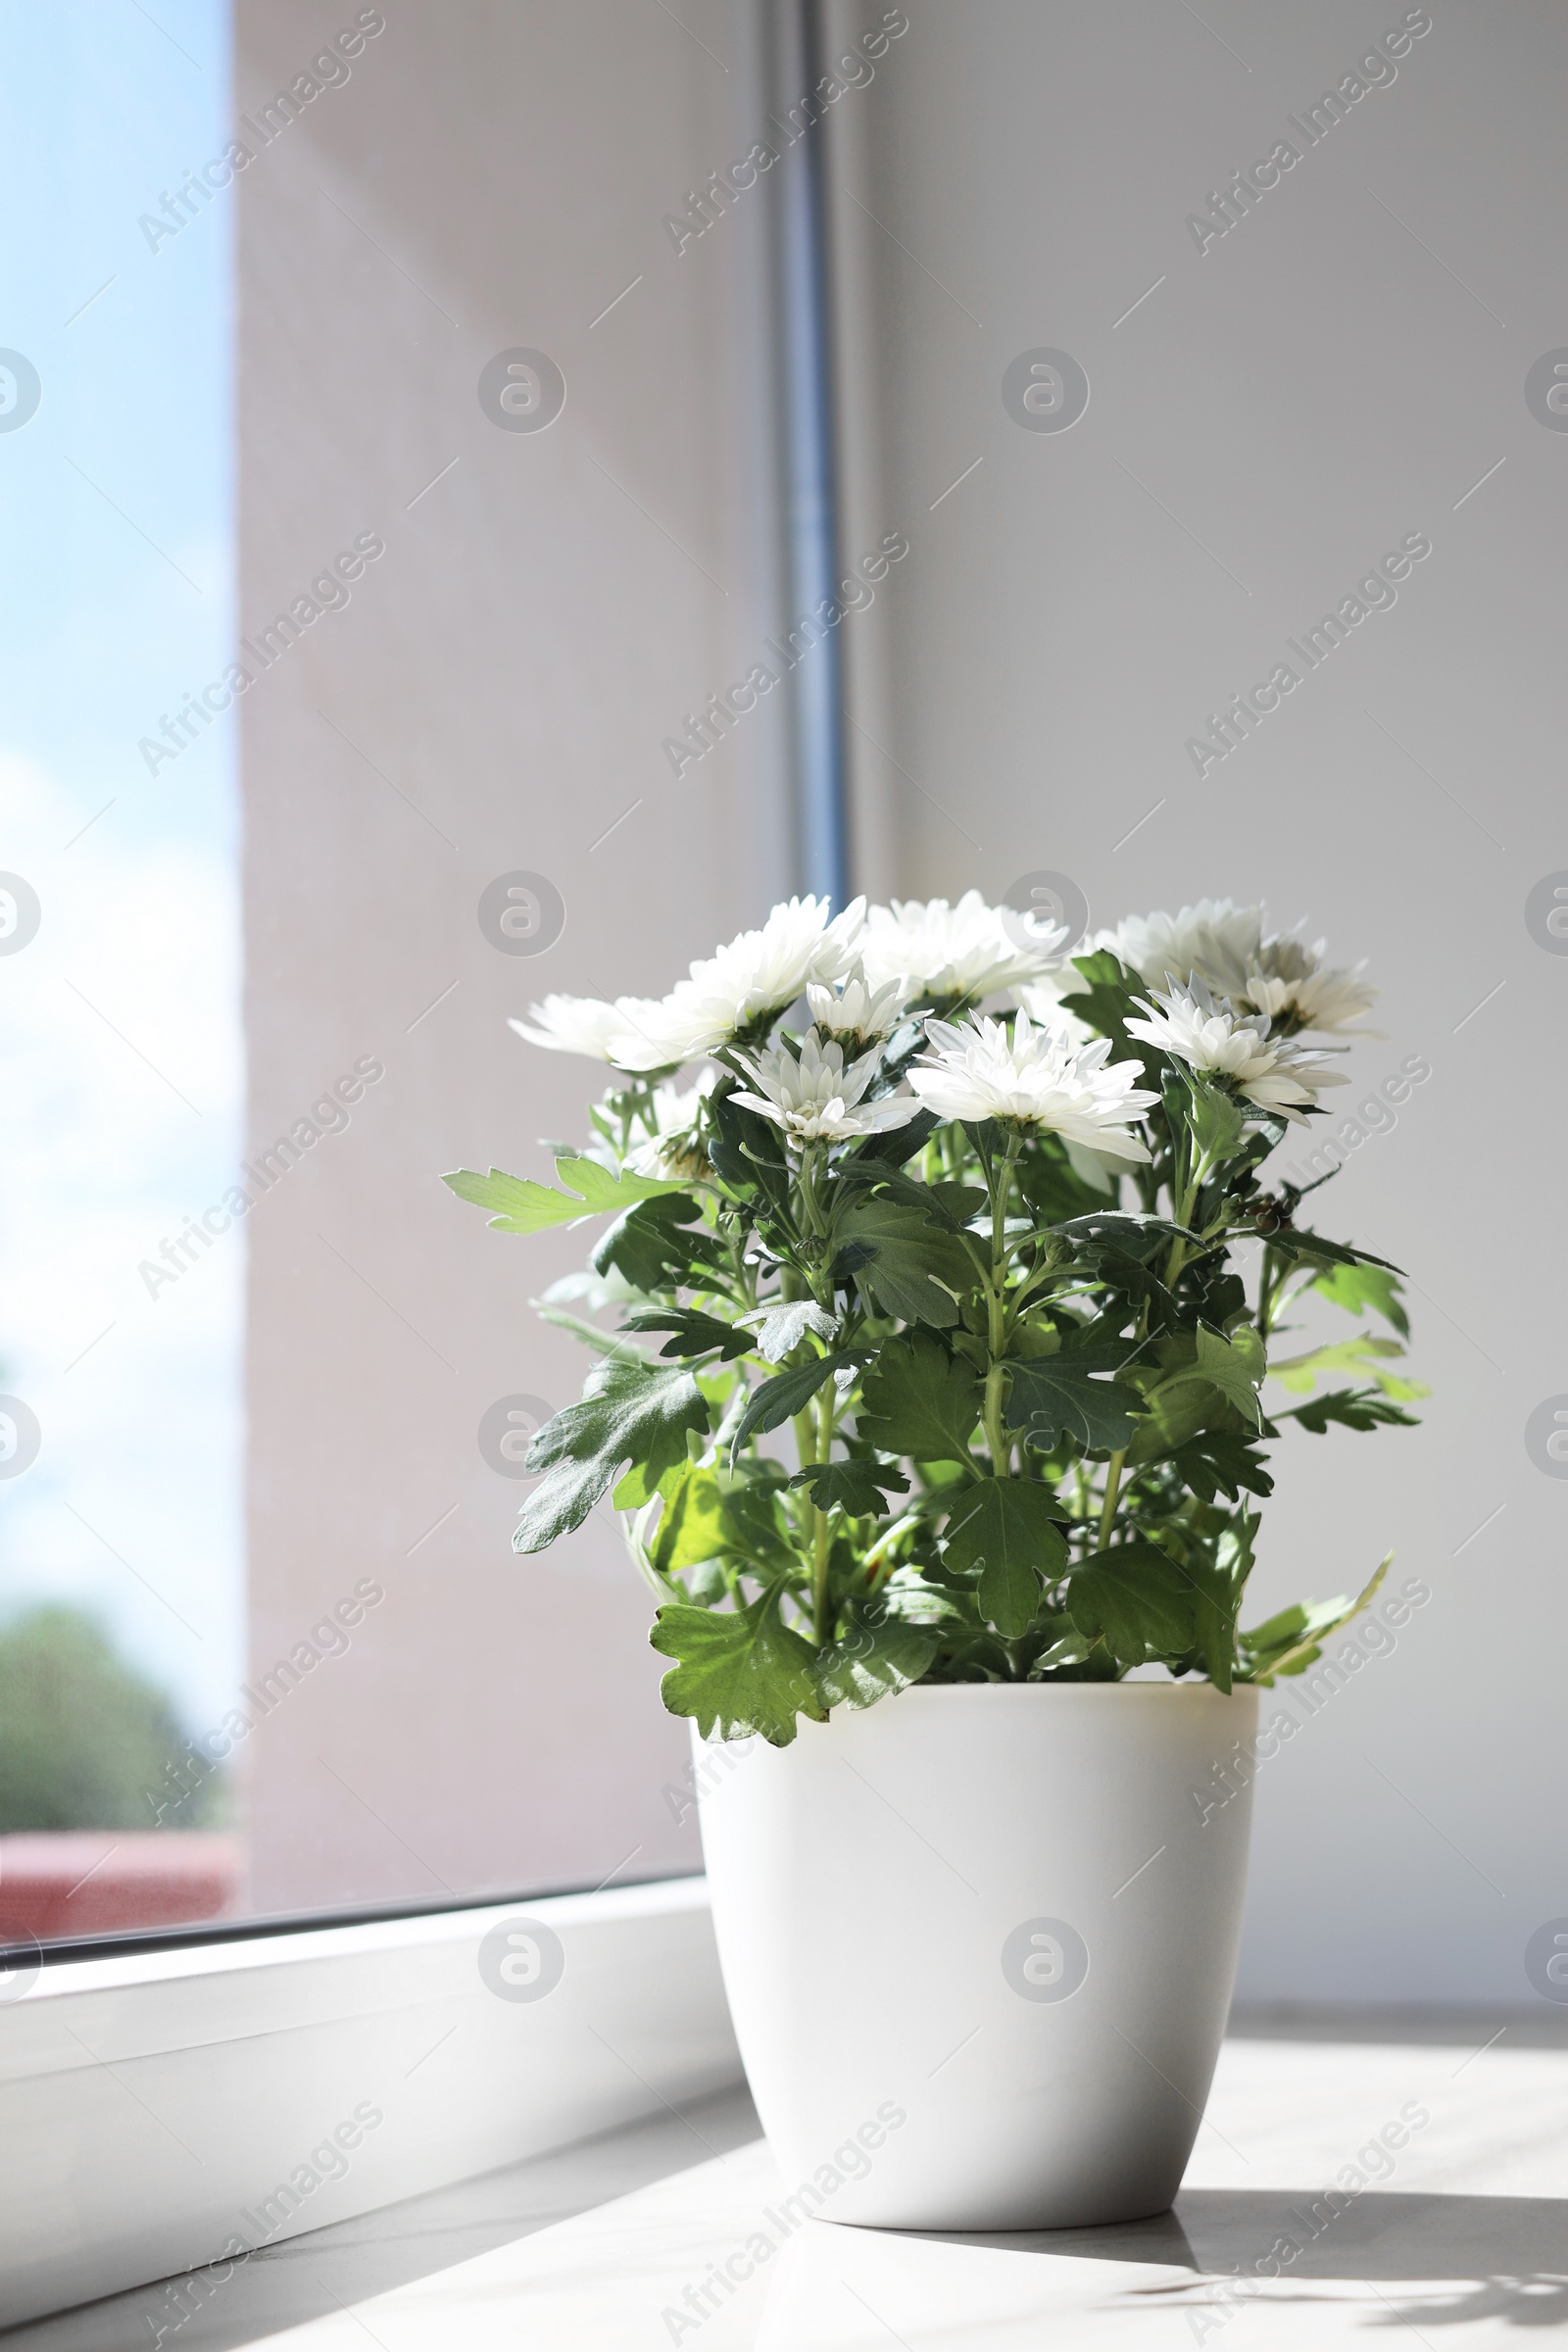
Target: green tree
(87, 1742)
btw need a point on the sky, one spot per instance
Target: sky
(120, 1047)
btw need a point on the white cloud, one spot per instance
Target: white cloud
(121, 1073)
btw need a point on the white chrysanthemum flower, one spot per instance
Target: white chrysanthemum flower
(855, 1013)
(756, 976)
(574, 1025)
(1035, 1079)
(1277, 1074)
(635, 1034)
(1291, 982)
(964, 951)
(763, 971)
(814, 1098)
(660, 1033)
(1216, 940)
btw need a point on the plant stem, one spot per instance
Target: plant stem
(827, 1405)
(1000, 1183)
(1107, 1513)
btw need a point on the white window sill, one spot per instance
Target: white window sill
(152, 2105)
(627, 2243)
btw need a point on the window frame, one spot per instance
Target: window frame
(177, 2084)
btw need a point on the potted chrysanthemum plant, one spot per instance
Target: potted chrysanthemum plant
(932, 1400)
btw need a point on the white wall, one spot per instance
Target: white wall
(1280, 411)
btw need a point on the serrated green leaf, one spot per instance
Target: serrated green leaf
(1136, 1601)
(1072, 1650)
(695, 1333)
(919, 1401)
(780, 1398)
(1293, 1641)
(1216, 1120)
(1107, 1002)
(524, 1206)
(1364, 1354)
(855, 1487)
(1235, 1367)
(739, 1672)
(902, 1262)
(1054, 1189)
(1220, 1462)
(1008, 1528)
(896, 1146)
(949, 1206)
(1213, 1606)
(1052, 1395)
(756, 1529)
(693, 1526)
(876, 1655)
(1215, 1590)
(1350, 1408)
(1290, 1241)
(634, 1412)
(657, 1245)
(783, 1327)
(1359, 1287)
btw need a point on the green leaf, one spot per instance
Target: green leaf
(1359, 1287)
(1235, 1367)
(1217, 1586)
(1214, 1605)
(652, 1247)
(1181, 1400)
(1106, 1001)
(1136, 1601)
(1072, 1650)
(628, 1412)
(949, 1206)
(927, 1597)
(1131, 1233)
(1220, 1462)
(695, 1333)
(1117, 1247)
(901, 1261)
(1293, 1242)
(780, 1398)
(1052, 1395)
(746, 1150)
(528, 1208)
(693, 1526)
(855, 1487)
(1051, 1184)
(1363, 1354)
(896, 1146)
(1007, 1527)
(784, 1326)
(919, 1401)
(876, 1655)
(739, 1672)
(752, 1512)
(1178, 1409)
(1293, 1641)
(1215, 1118)
(1350, 1408)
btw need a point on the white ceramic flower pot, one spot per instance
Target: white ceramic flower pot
(979, 1942)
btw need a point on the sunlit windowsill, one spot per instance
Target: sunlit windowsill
(162, 2104)
(622, 2240)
